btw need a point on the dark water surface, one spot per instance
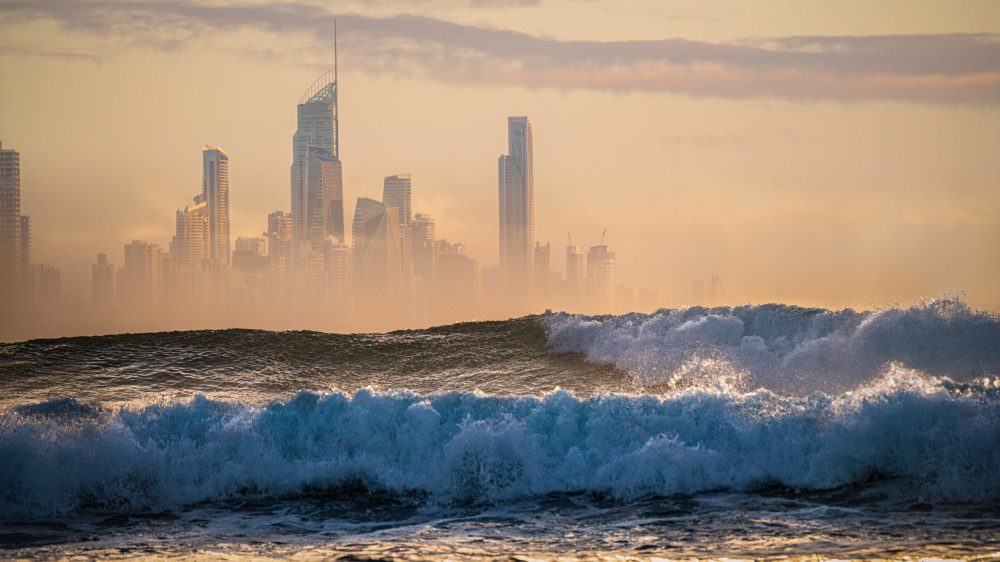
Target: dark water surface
(751, 432)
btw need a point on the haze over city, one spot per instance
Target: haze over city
(817, 154)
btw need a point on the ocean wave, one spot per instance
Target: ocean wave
(785, 348)
(939, 439)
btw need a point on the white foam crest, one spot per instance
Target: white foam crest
(784, 348)
(941, 440)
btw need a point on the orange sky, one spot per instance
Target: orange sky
(816, 153)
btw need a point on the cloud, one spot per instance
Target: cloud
(14, 50)
(950, 68)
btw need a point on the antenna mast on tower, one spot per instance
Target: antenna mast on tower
(336, 93)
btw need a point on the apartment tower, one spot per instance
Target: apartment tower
(324, 197)
(11, 231)
(215, 192)
(517, 207)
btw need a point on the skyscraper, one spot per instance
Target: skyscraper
(25, 242)
(279, 235)
(377, 267)
(542, 272)
(576, 272)
(396, 193)
(337, 263)
(422, 243)
(192, 242)
(324, 196)
(140, 280)
(102, 280)
(10, 222)
(601, 277)
(215, 191)
(517, 207)
(317, 126)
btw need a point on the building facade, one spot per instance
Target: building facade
(377, 265)
(576, 273)
(542, 267)
(424, 257)
(102, 276)
(140, 280)
(192, 241)
(215, 192)
(396, 192)
(317, 126)
(11, 231)
(517, 207)
(324, 196)
(601, 277)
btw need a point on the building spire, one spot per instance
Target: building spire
(336, 93)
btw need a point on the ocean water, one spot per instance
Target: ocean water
(755, 432)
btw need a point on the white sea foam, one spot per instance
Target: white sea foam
(940, 439)
(785, 348)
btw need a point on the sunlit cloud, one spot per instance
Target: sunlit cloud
(950, 68)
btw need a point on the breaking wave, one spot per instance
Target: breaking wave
(938, 439)
(785, 348)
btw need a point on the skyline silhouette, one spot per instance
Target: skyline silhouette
(866, 182)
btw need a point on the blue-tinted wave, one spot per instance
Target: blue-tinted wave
(786, 348)
(936, 439)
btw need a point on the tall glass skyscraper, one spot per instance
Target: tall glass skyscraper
(15, 228)
(324, 197)
(517, 207)
(377, 267)
(215, 191)
(317, 126)
(396, 193)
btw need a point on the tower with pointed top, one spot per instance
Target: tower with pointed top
(317, 127)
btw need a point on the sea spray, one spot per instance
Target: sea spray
(786, 348)
(936, 439)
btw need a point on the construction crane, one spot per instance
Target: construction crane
(602, 236)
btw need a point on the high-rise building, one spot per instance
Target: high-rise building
(422, 244)
(102, 280)
(192, 242)
(10, 222)
(250, 255)
(601, 277)
(140, 280)
(576, 272)
(43, 283)
(279, 235)
(458, 277)
(542, 265)
(375, 245)
(317, 126)
(337, 263)
(517, 206)
(25, 242)
(324, 196)
(215, 191)
(396, 193)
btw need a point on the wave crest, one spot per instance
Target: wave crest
(785, 348)
(940, 439)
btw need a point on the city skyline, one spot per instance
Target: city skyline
(854, 195)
